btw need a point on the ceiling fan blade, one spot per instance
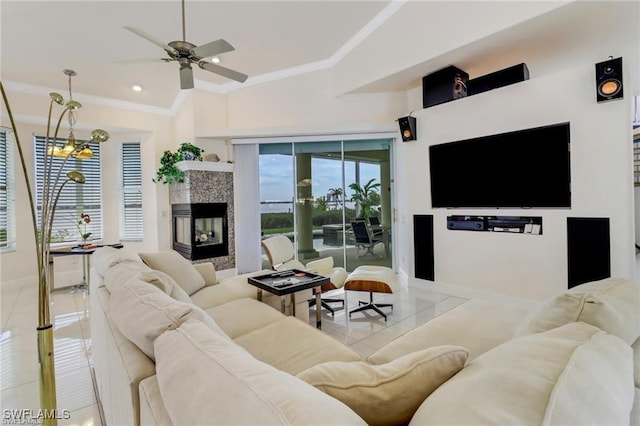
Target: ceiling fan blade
(170, 50)
(212, 49)
(186, 76)
(225, 72)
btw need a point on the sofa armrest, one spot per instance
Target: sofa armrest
(208, 272)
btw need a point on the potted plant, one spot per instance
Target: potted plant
(168, 173)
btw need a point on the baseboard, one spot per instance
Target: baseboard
(469, 293)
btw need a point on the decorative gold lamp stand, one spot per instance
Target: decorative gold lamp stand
(52, 186)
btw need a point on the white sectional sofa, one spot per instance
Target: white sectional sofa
(172, 345)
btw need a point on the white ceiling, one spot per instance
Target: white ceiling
(42, 38)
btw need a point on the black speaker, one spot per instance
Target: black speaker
(423, 247)
(588, 249)
(407, 128)
(443, 86)
(609, 80)
(503, 77)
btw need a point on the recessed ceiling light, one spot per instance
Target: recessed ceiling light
(136, 88)
(215, 60)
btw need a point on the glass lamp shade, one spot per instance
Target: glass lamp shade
(99, 135)
(85, 153)
(76, 176)
(70, 146)
(55, 151)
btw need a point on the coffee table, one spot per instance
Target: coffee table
(290, 282)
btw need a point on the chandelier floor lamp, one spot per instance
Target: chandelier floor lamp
(52, 184)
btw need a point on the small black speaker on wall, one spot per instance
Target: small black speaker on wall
(588, 249)
(609, 80)
(407, 128)
(424, 265)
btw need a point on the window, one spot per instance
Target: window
(75, 198)
(131, 195)
(7, 200)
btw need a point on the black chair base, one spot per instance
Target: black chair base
(325, 304)
(363, 306)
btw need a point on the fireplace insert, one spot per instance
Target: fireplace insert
(200, 230)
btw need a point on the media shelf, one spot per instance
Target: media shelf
(511, 224)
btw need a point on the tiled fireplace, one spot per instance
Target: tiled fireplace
(203, 213)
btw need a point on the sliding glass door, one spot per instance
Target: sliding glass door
(312, 191)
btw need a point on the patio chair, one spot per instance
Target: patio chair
(365, 238)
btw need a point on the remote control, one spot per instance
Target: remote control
(283, 274)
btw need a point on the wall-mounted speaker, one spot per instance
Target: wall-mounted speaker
(444, 85)
(500, 78)
(609, 80)
(407, 128)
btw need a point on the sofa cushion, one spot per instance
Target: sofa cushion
(142, 312)
(222, 293)
(387, 394)
(233, 387)
(105, 257)
(611, 304)
(122, 272)
(572, 375)
(459, 326)
(291, 345)
(242, 316)
(208, 272)
(177, 267)
(165, 283)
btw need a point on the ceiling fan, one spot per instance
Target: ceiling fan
(186, 53)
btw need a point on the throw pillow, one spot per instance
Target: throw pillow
(575, 374)
(106, 257)
(387, 394)
(165, 283)
(177, 267)
(204, 378)
(142, 312)
(208, 273)
(611, 304)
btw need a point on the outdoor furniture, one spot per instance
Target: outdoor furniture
(366, 239)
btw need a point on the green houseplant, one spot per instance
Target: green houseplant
(366, 197)
(168, 173)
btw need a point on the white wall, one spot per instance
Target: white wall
(525, 266)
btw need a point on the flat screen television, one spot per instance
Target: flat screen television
(523, 169)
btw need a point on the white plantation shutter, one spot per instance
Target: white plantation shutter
(7, 201)
(131, 195)
(75, 198)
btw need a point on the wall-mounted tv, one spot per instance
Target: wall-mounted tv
(522, 169)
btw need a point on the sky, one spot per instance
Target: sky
(276, 178)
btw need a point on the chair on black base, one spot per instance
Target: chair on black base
(281, 255)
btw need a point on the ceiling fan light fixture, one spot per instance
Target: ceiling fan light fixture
(186, 53)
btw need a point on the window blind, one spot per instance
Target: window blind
(131, 226)
(7, 200)
(75, 198)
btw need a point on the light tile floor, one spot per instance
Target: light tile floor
(364, 332)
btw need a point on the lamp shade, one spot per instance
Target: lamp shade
(76, 176)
